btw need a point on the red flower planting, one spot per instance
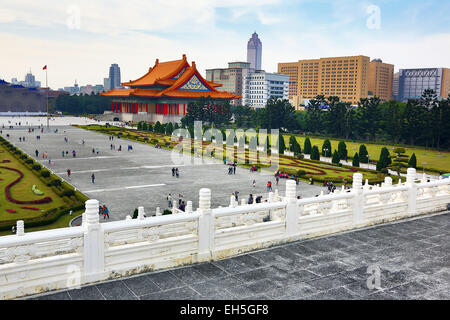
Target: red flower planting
(8, 191)
(29, 208)
(11, 210)
(6, 161)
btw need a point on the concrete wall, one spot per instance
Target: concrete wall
(66, 258)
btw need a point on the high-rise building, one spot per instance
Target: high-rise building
(254, 52)
(260, 86)
(395, 86)
(231, 78)
(114, 76)
(381, 77)
(291, 69)
(345, 77)
(107, 84)
(413, 82)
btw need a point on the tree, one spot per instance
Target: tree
(335, 158)
(144, 126)
(412, 161)
(342, 150)
(363, 154)
(150, 127)
(384, 161)
(295, 147)
(307, 146)
(169, 128)
(355, 161)
(315, 155)
(399, 161)
(281, 144)
(326, 148)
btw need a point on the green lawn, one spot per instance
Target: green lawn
(438, 160)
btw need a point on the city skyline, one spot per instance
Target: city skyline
(78, 43)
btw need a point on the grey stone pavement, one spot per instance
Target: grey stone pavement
(413, 258)
(125, 180)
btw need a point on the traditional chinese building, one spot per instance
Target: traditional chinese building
(163, 93)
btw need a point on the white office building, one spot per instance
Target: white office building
(260, 86)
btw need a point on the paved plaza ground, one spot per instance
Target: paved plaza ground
(125, 180)
(413, 258)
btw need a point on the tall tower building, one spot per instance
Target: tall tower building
(254, 52)
(114, 76)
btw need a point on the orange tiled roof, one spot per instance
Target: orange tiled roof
(160, 71)
(163, 74)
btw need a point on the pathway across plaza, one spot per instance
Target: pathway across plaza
(413, 259)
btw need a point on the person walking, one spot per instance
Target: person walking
(68, 173)
(62, 154)
(173, 172)
(177, 173)
(269, 185)
(182, 206)
(74, 154)
(254, 183)
(93, 178)
(234, 168)
(250, 199)
(236, 195)
(277, 179)
(170, 201)
(37, 153)
(105, 212)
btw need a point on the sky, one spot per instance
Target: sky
(80, 39)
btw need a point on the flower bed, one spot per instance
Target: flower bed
(8, 191)
(11, 211)
(29, 208)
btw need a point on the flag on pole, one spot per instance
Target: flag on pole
(45, 67)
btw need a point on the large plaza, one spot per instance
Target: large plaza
(126, 179)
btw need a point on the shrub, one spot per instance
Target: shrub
(336, 158)
(413, 161)
(45, 173)
(23, 157)
(37, 167)
(363, 154)
(68, 193)
(301, 173)
(307, 146)
(326, 148)
(315, 153)
(56, 183)
(166, 212)
(29, 161)
(355, 161)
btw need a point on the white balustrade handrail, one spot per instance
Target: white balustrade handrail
(40, 236)
(385, 190)
(149, 222)
(325, 198)
(227, 211)
(434, 183)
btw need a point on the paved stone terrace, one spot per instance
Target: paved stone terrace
(413, 256)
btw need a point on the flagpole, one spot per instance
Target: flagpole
(46, 84)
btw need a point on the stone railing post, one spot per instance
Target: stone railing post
(141, 213)
(189, 207)
(20, 228)
(205, 226)
(358, 199)
(292, 214)
(412, 191)
(94, 257)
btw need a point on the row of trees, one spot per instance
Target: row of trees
(424, 121)
(90, 104)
